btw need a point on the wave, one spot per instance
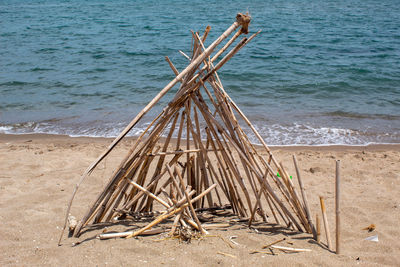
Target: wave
(273, 134)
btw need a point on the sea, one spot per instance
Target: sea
(321, 72)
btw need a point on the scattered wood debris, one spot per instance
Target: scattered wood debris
(291, 249)
(370, 228)
(226, 254)
(273, 243)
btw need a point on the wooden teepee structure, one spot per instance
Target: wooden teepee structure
(211, 155)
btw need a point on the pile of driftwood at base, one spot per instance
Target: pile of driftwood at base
(211, 163)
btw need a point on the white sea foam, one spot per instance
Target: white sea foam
(5, 129)
(274, 134)
(301, 134)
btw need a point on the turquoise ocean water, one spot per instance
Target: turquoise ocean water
(321, 72)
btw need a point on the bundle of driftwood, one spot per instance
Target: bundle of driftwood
(209, 163)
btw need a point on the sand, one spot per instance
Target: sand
(38, 173)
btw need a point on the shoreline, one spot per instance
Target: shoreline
(39, 137)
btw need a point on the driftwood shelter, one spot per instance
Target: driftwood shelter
(211, 164)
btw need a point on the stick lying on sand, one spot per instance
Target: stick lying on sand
(273, 243)
(226, 254)
(291, 249)
(125, 234)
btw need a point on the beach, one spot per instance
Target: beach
(39, 172)
(319, 81)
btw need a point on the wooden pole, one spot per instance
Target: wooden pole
(253, 211)
(295, 198)
(201, 156)
(178, 140)
(326, 225)
(318, 222)
(303, 194)
(147, 192)
(291, 249)
(172, 67)
(337, 198)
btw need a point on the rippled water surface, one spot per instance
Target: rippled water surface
(321, 72)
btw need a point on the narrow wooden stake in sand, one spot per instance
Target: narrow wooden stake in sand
(337, 198)
(326, 225)
(303, 194)
(318, 222)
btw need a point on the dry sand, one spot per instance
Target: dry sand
(38, 173)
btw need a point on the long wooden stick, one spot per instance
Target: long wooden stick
(295, 199)
(124, 234)
(273, 243)
(337, 197)
(326, 225)
(291, 249)
(188, 169)
(303, 194)
(162, 202)
(216, 189)
(318, 222)
(271, 207)
(201, 157)
(172, 66)
(253, 211)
